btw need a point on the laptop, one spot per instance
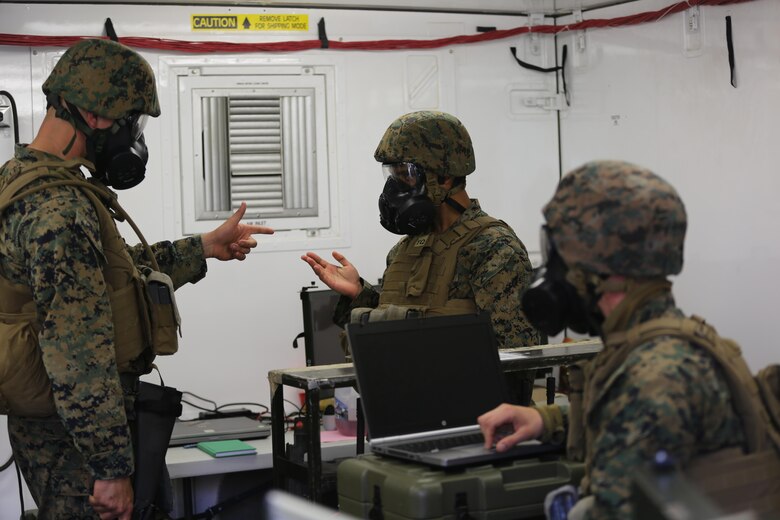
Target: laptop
(192, 432)
(424, 381)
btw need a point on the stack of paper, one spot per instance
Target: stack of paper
(229, 448)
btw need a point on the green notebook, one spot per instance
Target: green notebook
(230, 448)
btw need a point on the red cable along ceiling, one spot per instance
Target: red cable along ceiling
(200, 47)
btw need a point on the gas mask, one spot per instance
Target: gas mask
(404, 206)
(552, 303)
(119, 153)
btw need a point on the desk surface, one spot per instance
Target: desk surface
(515, 359)
(192, 462)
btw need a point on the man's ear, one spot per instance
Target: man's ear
(445, 181)
(90, 118)
(95, 121)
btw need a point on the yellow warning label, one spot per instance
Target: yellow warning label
(250, 22)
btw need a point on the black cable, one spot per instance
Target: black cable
(264, 407)
(7, 464)
(21, 496)
(201, 398)
(14, 113)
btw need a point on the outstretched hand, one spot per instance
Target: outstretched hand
(344, 280)
(232, 240)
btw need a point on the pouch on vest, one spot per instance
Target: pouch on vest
(22, 373)
(386, 313)
(164, 314)
(24, 384)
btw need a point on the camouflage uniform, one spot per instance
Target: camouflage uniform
(493, 269)
(50, 241)
(668, 395)
(614, 218)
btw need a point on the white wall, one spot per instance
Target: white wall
(677, 115)
(717, 144)
(239, 322)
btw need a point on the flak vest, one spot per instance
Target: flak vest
(417, 282)
(143, 325)
(736, 480)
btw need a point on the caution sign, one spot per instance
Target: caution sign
(249, 22)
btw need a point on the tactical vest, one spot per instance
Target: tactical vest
(734, 479)
(145, 324)
(417, 282)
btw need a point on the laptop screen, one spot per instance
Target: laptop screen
(426, 374)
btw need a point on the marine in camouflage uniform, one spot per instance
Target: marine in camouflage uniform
(50, 242)
(492, 269)
(620, 229)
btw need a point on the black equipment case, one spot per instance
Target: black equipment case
(376, 487)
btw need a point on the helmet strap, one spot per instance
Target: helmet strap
(66, 150)
(454, 204)
(437, 194)
(74, 118)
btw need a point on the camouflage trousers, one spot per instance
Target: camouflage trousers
(55, 471)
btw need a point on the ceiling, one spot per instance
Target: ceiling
(503, 7)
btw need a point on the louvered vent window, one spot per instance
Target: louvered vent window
(259, 149)
(258, 135)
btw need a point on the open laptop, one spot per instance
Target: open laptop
(244, 428)
(424, 381)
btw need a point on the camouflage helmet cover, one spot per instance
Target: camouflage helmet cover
(434, 140)
(611, 217)
(106, 78)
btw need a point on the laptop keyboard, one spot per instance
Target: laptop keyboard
(443, 443)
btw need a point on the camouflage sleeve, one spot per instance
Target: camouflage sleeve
(497, 267)
(182, 260)
(368, 297)
(667, 395)
(61, 240)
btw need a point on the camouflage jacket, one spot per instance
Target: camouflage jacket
(50, 242)
(668, 395)
(492, 270)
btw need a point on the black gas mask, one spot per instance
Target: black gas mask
(551, 303)
(119, 153)
(404, 206)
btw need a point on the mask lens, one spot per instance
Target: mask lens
(407, 176)
(138, 126)
(134, 123)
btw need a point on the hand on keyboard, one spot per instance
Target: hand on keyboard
(506, 425)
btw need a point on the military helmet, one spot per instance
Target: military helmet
(106, 78)
(434, 140)
(611, 217)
